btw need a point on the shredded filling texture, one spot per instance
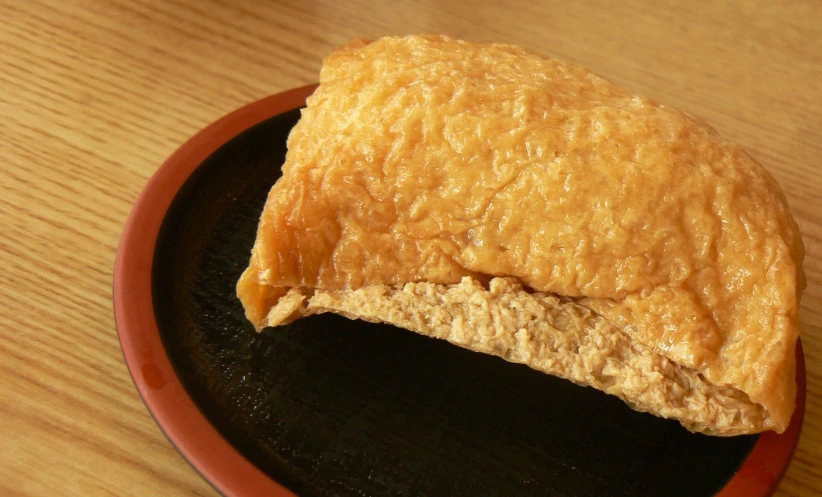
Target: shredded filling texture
(547, 333)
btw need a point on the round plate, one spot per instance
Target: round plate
(328, 406)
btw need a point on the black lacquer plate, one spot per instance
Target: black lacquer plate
(332, 407)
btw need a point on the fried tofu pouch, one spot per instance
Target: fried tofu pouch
(523, 207)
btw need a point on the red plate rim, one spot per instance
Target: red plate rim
(175, 412)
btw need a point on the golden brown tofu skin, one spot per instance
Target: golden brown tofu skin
(426, 159)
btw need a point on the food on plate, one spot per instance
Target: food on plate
(524, 207)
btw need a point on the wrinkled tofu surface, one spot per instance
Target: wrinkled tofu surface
(426, 159)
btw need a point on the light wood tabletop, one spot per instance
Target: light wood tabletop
(95, 94)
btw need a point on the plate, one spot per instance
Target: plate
(328, 406)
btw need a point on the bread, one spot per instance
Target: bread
(523, 207)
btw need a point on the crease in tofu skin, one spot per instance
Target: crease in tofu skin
(428, 178)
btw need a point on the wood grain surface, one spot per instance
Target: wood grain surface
(95, 94)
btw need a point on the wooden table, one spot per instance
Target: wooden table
(95, 94)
